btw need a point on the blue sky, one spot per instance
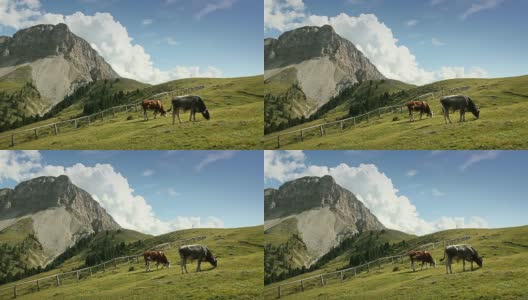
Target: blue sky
(224, 34)
(226, 185)
(487, 34)
(452, 184)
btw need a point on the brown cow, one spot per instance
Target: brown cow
(423, 256)
(421, 106)
(154, 105)
(158, 257)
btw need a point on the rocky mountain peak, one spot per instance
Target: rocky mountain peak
(48, 192)
(55, 59)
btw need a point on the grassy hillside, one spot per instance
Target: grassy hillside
(235, 105)
(285, 101)
(503, 103)
(20, 100)
(286, 253)
(504, 274)
(238, 275)
(21, 254)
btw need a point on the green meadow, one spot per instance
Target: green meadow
(504, 274)
(235, 104)
(502, 123)
(239, 274)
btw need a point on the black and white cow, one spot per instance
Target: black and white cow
(461, 252)
(458, 102)
(198, 252)
(188, 102)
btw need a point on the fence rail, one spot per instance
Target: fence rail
(300, 285)
(351, 122)
(77, 275)
(55, 128)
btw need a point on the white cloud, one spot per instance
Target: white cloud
(437, 193)
(146, 21)
(479, 6)
(213, 157)
(148, 173)
(460, 72)
(371, 36)
(437, 43)
(411, 173)
(478, 156)
(412, 22)
(171, 41)
(172, 192)
(105, 34)
(370, 186)
(214, 6)
(107, 186)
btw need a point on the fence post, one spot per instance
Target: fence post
(36, 134)
(341, 125)
(56, 128)
(354, 121)
(75, 123)
(14, 291)
(137, 259)
(322, 130)
(113, 112)
(104, 267)
(88, 121)
(322, 280)
(401, 109)
(368, 116)
(90, 271)
(355, 272)
(77, 275)
(102, 116)
(302, 137)
(115, 264)
(368, 267)
(278, 141)
(342, 278)
(379, 264)
(58, 280)
(13, 140)
(280, 292)
(38, 285)
(302, 285)
(379, 113)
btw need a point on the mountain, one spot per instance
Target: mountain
(307, 217)
(40, 65)
(308, 66)
(47, 215)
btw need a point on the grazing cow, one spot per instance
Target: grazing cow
(423, 256)
(421, 106)
(154, 105)
(188, 102)
(461, 252)
(458, 102)
(158, 257)
(198, 252)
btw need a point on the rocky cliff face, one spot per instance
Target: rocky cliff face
(325, 63)
(59, 61)
(324, 213)
(61, 213)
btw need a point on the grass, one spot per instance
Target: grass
(238, 275)
(503, 103)
(504, 273)
(235, 104)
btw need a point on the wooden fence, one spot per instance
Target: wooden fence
(75, 276)
(321, 280)
(11, 139)
(299, 135)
